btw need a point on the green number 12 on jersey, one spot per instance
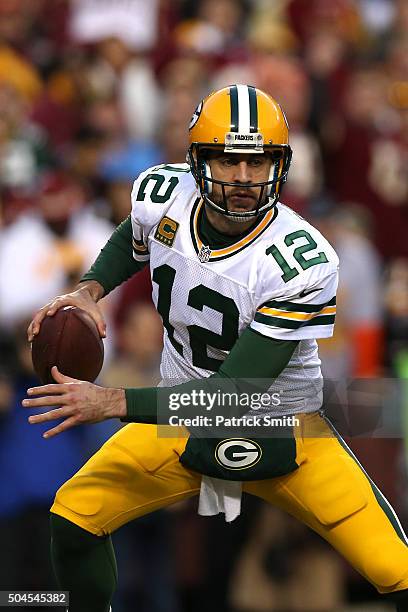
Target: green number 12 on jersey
(298, 254)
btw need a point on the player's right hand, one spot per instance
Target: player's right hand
(82, 298)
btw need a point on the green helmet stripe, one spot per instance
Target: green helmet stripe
(234, 108)
(253, 109)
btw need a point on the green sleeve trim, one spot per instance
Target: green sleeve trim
(293, 307)
(115, 263)
(253, 356)
(141, 405)
(291, 324)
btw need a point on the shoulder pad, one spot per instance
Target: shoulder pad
(156, 189)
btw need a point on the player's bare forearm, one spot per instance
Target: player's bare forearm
(95, 289)
(77, 402)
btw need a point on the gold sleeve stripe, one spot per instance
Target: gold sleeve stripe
(297, 316)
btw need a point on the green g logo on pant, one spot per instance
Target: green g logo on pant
(238, 453)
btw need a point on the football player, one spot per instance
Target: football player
(244, 287)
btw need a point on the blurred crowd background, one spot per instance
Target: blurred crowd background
(91, 93)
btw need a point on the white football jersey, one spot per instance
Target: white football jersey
(280, 279)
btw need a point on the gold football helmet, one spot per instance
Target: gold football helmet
(240, 119)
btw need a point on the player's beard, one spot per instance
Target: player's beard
(219, 201)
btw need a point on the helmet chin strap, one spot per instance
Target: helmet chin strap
(239, 217)
(229, 216)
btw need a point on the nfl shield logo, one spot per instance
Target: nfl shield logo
(204, 254)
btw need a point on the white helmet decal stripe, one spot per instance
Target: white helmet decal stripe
(243, 109)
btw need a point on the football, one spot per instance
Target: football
(71, 341)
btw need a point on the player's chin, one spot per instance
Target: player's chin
(241, 203)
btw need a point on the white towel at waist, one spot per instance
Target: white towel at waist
(218, 495)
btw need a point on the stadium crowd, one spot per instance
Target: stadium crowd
(92, 92)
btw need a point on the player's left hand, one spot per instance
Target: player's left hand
(75, 401)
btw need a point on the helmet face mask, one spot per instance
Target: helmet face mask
(239, 120)
(269, 189)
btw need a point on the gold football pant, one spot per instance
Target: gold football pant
(136, 472)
